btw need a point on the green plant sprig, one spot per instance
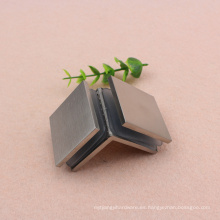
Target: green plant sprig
(132, 64)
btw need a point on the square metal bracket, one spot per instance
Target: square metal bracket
(88, 120)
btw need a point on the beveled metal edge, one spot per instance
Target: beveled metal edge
(90, 156)
(71, 153)
(92, 108)
(116, 99)
(104, 144)
(143, 131)
(96, 129)
(129, 124)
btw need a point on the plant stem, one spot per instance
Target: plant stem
(116, 70)
(74, 77)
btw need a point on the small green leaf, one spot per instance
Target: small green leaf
(135, 66)
(125, 75)
(95, 80)
(122, 64)
(83, 74)
(67, 73)
(109, 71)
(80, 79)
(105, 78)
(94, 70)
(69, 83)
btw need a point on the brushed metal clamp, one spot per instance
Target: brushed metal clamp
(88, 120)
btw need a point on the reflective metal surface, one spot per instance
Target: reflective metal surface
(89, 120)
(73, 124)
(103, 145)
(138, 110)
